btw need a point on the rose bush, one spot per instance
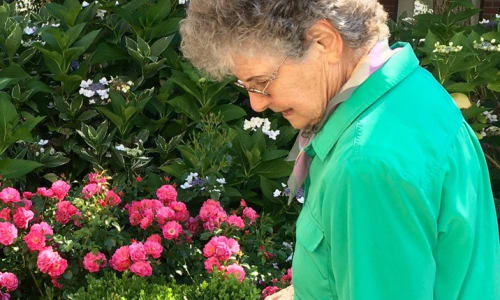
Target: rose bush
(62, 233)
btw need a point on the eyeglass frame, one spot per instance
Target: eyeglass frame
(263, 92)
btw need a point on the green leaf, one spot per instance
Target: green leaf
(460, 87)
(73, 34)
(186, 105)
(107, 52)
(113, 117)
(67, 13)
(230, 112)
(87, 39)
(15, 168)
(87, 115)
(175, 169)
(143, 47)
(55, 161)
(494, 86)
(8, 115)
(13, 40)
(165, 28)
(160, 45)
(159, 11)
(274, 169)
(186, 84)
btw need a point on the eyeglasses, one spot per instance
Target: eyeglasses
(263, 92)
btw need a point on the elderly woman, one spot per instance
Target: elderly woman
(398, 202)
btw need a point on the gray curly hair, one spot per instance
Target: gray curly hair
(213, 30)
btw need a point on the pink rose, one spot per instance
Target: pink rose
(237, 271)
(164, 214)
(251, 214)
(153, 248)
(112, 199)
(10, 195)
(171, 230)
(212, 215)
(8, 281)
(93, 262)
(41, 191)
(154, 238)
(50, 262)
(141, 268)
(120, 261)
(243, 203)
(166, 193)
(65, 211)
(193, 224)
(235, 221)
(22, 217)
(28, 195)
(5, 214)
(137, 252)
(268, 291)
(8, 232)
(60, 189)
(210, 263)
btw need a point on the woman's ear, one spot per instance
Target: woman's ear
(324, 38)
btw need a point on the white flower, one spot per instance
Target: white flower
(283, 184)
(256, 122)
(85, 4)
(191, 176)
(289, 258)
(490, 117)
(103, 93)
(121, 148)
(108, 155)
(117, 3)
(186, 185)
(103, 81)
(50, 105)
(52, 151)
(275, 265)
(497, 16)
(85, 84)
(30, 30)
(86, 93)
(101, 13)
(130, 83)
(421, 41)
(91, 101)
(276, 193)
(42, 150)
(182, 1)
(55, 25)
(37, 153)
(484, 21)
(43, 142)
(288, 245)
(221, 180)
(301, 199)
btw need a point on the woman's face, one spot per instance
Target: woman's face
(299, 91)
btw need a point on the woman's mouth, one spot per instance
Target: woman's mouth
(287, 112)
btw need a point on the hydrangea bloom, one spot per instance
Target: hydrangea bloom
(166, 193)
(237, 271)
(171, 230)
(141, 268)
(22, 217)
(8, 281)
(10, 195)
(120, 261)
(60, 189)
(8, 232)
(93, 262)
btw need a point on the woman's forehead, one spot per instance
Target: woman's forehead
(247, 65)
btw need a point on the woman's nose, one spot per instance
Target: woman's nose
(259, 103)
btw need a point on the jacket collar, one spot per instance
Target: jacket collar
(397, 68)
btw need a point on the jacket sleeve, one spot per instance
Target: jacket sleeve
(382, 232)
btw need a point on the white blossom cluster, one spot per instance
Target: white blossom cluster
(493, 130)
(487, 46)
(264, 124)
(421, 8)
(25, 6)
(286, 192)
(446, 48)
(189, 181)
(490, 116)
(89, 89)
(124, 87)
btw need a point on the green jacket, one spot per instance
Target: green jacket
(398, 201)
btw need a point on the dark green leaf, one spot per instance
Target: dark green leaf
(15, 168)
